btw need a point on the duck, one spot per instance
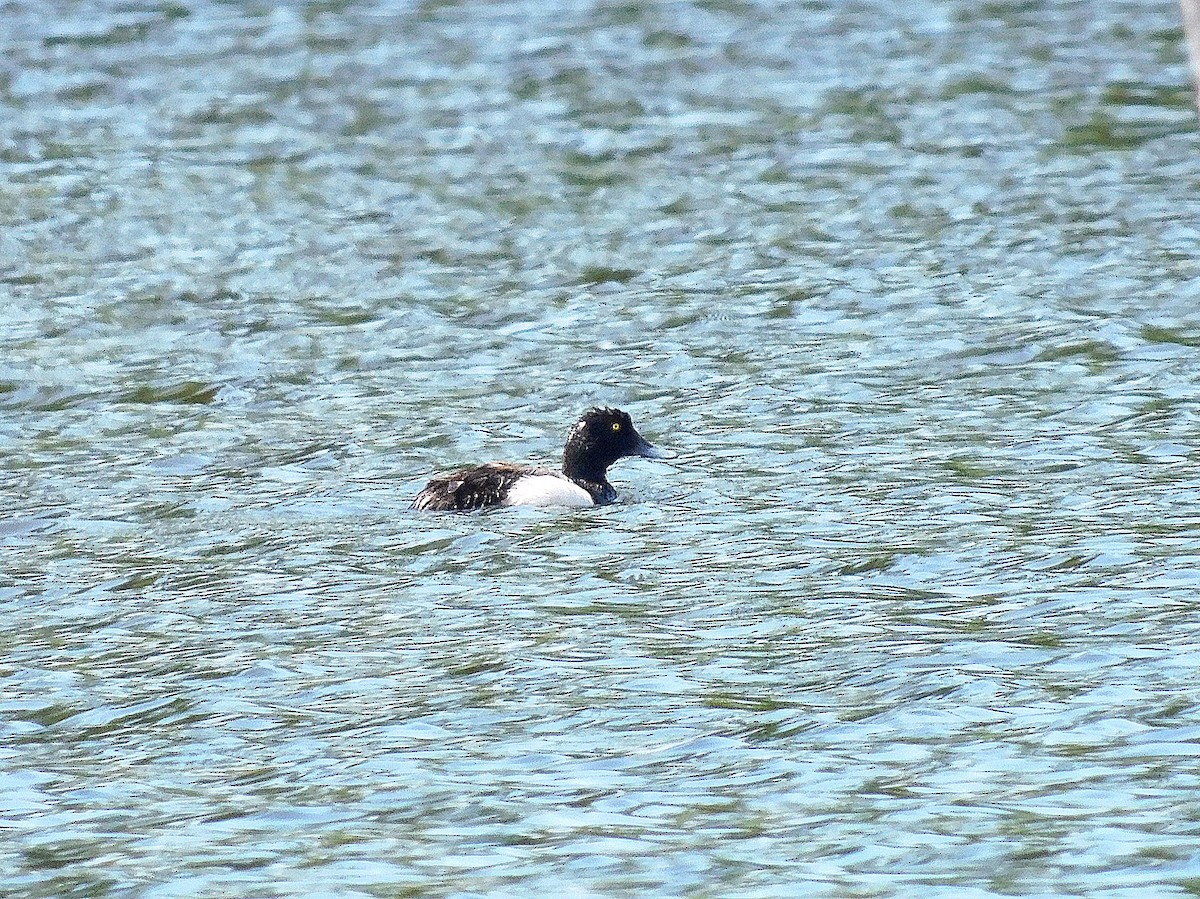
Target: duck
(600, 437)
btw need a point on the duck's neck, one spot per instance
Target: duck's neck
(601, 491)
(590, 477)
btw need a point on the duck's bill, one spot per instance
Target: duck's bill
(648, 450)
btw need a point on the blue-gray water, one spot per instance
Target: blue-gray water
(912, 292)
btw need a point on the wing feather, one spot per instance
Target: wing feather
(472, 488)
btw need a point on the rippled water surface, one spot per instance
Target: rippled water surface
(912, 292)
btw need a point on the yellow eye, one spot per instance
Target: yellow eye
(616, 426)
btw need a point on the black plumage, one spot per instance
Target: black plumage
(598, 439)
(472, 488)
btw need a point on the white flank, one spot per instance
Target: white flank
(547, 490)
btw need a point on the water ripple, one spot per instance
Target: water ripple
(910, 293)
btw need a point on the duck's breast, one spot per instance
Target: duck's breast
(547, 490)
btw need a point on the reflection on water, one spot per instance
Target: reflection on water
(911, 293)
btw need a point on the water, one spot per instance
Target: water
(912, 292)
